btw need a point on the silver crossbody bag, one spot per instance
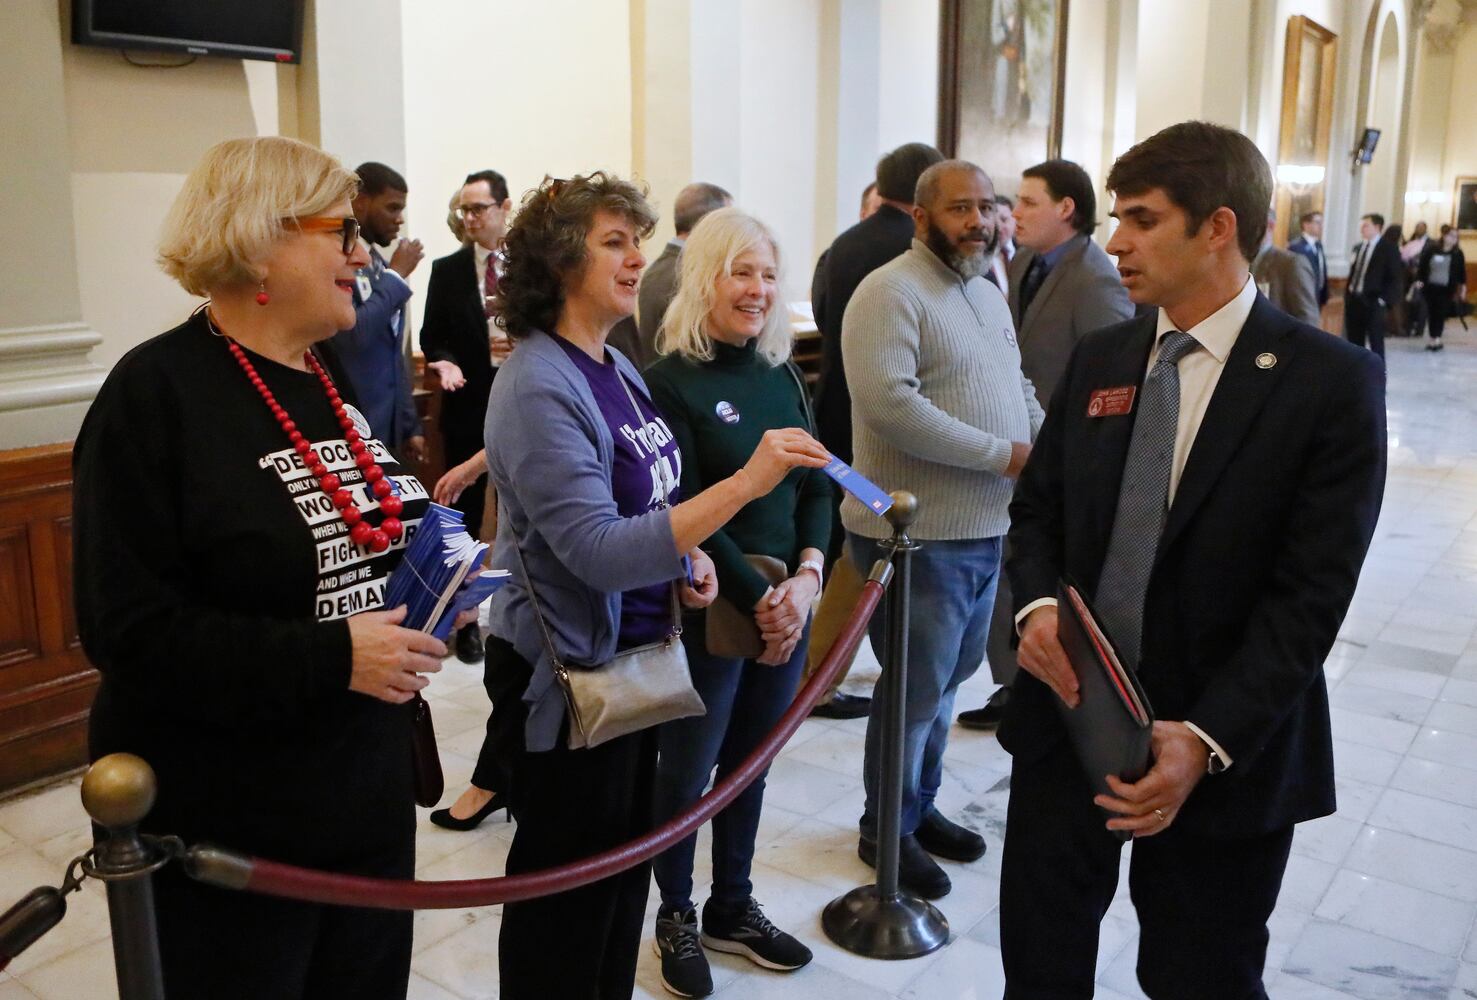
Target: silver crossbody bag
(636, 688)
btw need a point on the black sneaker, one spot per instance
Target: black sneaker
(843, 706)
(684, 966)
(946, 839)
(916, 871)
(745, 930)
(988, 716)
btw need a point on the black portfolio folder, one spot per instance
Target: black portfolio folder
(1112, 723)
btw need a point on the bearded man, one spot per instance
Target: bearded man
(938, 405)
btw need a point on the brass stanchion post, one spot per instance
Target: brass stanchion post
(883, 920)
(118, 793)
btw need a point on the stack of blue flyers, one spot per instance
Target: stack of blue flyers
(437, 578)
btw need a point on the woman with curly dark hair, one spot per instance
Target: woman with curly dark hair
(583, 464)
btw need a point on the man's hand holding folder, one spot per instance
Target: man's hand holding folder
(1041, 654)
(1143, 807)
(1149, 805)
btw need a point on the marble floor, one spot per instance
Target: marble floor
(1379, 900)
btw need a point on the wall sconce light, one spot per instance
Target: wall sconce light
(1299, 175)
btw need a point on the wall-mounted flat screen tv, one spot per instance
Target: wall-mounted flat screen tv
(1367, 142)
(238, 29)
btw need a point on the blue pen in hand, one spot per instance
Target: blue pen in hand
(687, 569)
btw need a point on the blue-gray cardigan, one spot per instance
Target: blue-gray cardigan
(550, 454)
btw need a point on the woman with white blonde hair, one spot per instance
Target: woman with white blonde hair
(724, 380)
(236, 521)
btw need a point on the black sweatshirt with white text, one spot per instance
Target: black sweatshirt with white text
(213, 583)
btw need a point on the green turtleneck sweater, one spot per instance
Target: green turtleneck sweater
(718, 410)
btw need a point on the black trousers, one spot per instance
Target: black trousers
(1364, 322)
(1438, 308)
(504, 739)
(582, 944)
(1202, 903)
(225, 945)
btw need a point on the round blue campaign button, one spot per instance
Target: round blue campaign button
(726, 412)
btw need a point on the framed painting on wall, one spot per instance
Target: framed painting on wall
(1002, 69)
(1308, 73)
(1464, 206)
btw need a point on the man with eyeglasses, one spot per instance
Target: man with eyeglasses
(373, 353)
(460, 340)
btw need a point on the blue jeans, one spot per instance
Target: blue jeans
(744, 700)
(953, 596)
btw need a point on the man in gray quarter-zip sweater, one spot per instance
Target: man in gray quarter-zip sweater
(940, 408)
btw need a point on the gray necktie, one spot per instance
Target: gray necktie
(1356, 283)
(1143, 501)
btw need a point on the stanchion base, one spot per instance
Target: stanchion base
(865, 923)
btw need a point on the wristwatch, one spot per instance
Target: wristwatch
(815, 566)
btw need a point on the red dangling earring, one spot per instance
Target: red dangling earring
(262, 298)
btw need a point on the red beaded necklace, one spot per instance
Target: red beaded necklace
(360, 532)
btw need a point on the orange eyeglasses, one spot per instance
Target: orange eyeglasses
(349, 227)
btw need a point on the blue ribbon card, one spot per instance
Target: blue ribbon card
(859, 486)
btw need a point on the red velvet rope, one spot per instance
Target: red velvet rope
(277, 879)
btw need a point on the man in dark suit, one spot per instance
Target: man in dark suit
(636, 336)
(878, 238)
(457, 339)
(1062, 285)
(1374, 285)
(455, 330)
(1310, 247)
(373, 352)
(853, 255)
(1210, 474)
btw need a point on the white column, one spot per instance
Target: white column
(361, 82)
(858, 88)
(661, 103)
(46, 379)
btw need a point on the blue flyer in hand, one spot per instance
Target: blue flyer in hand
(868, 492)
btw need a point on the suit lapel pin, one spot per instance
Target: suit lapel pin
(1265, 361)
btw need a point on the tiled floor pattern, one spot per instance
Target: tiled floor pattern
(1379, 900)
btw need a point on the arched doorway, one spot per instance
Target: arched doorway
(1387, 84)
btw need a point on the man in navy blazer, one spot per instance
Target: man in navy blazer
(1243, 525)
(1309, 246)
(373, 352)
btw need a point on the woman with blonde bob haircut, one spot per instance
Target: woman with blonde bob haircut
(236, 521)
(727, 234)
(724, 382)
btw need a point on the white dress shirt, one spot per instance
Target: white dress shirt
(999, 266)
(1200, 371)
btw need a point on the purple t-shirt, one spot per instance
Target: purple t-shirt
(648, 466)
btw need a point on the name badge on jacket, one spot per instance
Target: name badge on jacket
(1112, 402)
(365, 288)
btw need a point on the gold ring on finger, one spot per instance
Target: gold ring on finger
(1160, 814)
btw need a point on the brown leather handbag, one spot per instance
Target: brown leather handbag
(730, 631)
